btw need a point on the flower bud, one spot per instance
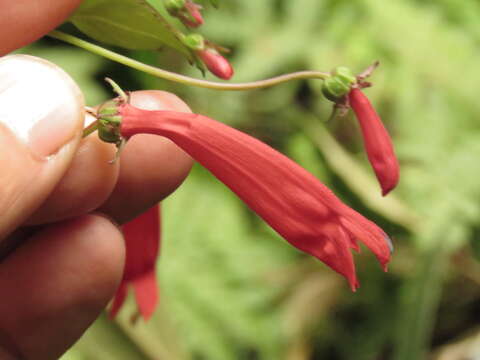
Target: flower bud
(194, 12)
(187, 12)
(216, 63)
(377, 141)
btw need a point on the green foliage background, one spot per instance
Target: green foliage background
(230, 287)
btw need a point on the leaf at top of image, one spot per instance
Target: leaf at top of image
(131, 24)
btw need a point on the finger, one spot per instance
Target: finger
(56, 284)
(41, 119)
(24, 21)
(151, 168)
(85, 186)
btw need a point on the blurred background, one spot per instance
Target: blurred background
(231, 289)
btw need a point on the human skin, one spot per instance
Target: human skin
(60, 199)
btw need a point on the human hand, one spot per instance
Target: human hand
(58, 192)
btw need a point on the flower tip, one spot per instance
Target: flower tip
(226, 75)
(354, 284)
(384, 260)
(391, 182)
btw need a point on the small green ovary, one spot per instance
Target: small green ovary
(339, 84)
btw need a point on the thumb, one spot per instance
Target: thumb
(41, 119)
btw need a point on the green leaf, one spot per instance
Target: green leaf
(131, 24)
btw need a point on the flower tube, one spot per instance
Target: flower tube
(377, 142)
(291, 200)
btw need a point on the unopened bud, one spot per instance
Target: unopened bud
(194, 12)
(186, 11)
(216, 63)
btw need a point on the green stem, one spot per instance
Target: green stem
(90, 128)
(421, 297)
(168, 75)
(117, 89)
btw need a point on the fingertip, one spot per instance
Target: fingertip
(58, 282)
(86, 185)
(28, 20)
(158, 100)
(41, 119)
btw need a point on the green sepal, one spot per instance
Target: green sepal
(106, 111)
(334, 89)
(112, 120)
(174, 5)
(345, 75)
(107, 133)
(194, 41)
(109, 122)
(108, 108)
(339, 84)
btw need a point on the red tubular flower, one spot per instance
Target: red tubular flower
(291, 200)
(187, 12)
(216, 63)
(142, 239)
(377, 141)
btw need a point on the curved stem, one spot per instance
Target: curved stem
(168, 75)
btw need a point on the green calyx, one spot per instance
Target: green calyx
(174, 5)
(109, 121)
(338, 84)
(194, 41)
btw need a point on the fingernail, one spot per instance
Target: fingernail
(39, 103)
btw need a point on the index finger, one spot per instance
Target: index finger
(24, 21)
(151, 167)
